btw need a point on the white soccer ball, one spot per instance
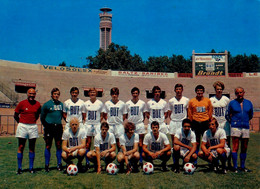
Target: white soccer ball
(72, 170)
(189, 168)
(112, 169)
(148, 168)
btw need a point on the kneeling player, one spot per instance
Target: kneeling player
(182, 140)
(156, 146)
(214, 146)
(129, 145)
(74, 143)
(105, 147)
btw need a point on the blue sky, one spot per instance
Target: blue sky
(51, 31)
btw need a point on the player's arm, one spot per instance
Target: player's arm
(43, 115)
(65, 146)
(220, 145)
(124, 117)
(105, 116)
(145, 150)
(81, 146)
(84, 115)
(135, 148)
(166, 148)
(210, 110)
(165, 115)
(204, 148)
(178, 142)
(16, 117)
(101, 116)
(64, 115)
(147, 114)
(169, 114)
(190, 111)
(193, 149)
(88, 141)
(98, 160)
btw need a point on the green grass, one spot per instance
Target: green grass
(55, 179)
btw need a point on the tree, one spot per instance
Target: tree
(62, 64)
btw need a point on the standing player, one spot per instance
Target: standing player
(94, 116)
(156, 146)
(199, 112)
(135, 114)
(74, 143)
(239, 113)
(115, 114)
(157, 110)
(51, 117)
(105, 147)
(177, 111)
(184, 145)
(26, 114)
(74, 107)
(129, 145)
(220, 103)
(214, 146)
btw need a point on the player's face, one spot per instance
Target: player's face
(212, 126)
(92, 94)
(31, 94)
(155, 129)
(55, 95)
(157, 94)
(114, 97)
(135, 94)
(240, 93)
(219, 90)
(104, 131)
(178, 91)
(130, 132)
(199, 92)
(186, 127)
(74, 125)
(74, 94)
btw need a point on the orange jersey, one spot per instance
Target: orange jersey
(200, 110)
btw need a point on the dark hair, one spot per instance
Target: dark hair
(104, 124)
(135, 89)
(178, 85)
(114, 90)
(128, 126)
(186, 121)
(200, 87)
(54, 90)
(156, 88)
(216, 121)
(155, 123)
(74, 89)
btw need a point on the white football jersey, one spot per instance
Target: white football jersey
(93, 111)
(153, 144)
(128, 143)
(214, 140)
(104, 144)
(219, 108)
(115, 112)
(188, 140)
(135, 111)
(157, 110)
(74, 140)
(178, 108)
(74, 109)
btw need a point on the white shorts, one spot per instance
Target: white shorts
(75, 153)
(239, 132)
(174, 126)
(117, 130)
(81, 125)
(215, 154)
(92, 130)
(140, 129)
(29, 131)
(184, 152)
(162, 128)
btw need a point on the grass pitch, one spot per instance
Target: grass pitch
(55, 179)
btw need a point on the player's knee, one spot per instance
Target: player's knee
(137, 155)
(200, 154)
(176, 147)
(81, 152)
(194, 156)
(112, 155)
(220, 151)
(64, 155)
(168, 153)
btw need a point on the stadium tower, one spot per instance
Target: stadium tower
(105, 27)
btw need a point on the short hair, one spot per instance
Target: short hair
(186, 121)
(54, 90)
(216, 121)
(156, 88)
(220, 84)
(199, 87)
(135, 89)
(74, 89)
(93, 89)
(74, 119)
(155, 123)
(104, 124)
(114, 90)
(178, 85)
(239, 88)
(128, 126)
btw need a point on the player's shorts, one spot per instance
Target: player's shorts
(29, 131)
(75, 153)
(81, 125)
(140, 128)
(184, 152)
(117, 130)
(162, 128)
(239, 132)
(53, 131)
(174, 126)
(92, 130)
